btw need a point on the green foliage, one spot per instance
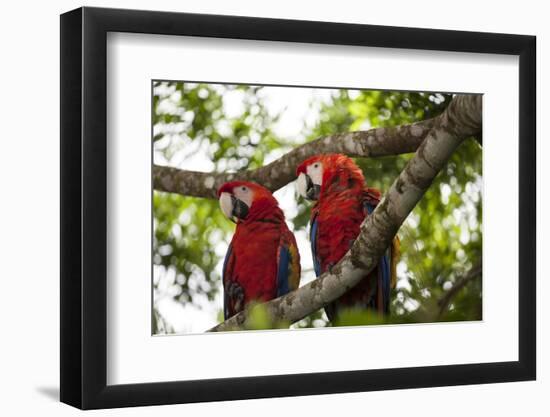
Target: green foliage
(258, 319)
(185, 228)
(230, 128)
(356, 317)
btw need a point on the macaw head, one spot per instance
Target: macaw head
(320, 172)
(242, 200)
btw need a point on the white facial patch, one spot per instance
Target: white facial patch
(244, 194)
(315, 172)
(226, 205)
(301, 184)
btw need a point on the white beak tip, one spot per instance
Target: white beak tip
(226, 204)
(301, 185)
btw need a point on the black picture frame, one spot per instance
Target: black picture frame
(84, 207)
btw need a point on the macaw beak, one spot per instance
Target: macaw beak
(240, 209)
(307, 188)
(233, 208)
(312, 190)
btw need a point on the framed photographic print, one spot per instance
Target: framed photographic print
(258, 208)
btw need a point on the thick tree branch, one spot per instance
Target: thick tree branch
(461, 120)
(472, 274)
(373, 142)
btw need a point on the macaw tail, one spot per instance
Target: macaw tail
(395, 255)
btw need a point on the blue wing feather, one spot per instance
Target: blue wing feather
(225, 277)
(384, 266)
(283, 271)
(313, 242)
(370, 208)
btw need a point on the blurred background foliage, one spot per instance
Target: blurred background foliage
(213, 127)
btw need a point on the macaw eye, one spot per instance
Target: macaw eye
(315, 165)
(244, 188)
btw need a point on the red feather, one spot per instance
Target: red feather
(339, 213)
(252, 263)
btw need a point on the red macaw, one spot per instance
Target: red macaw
(262, 261)
(342, 202)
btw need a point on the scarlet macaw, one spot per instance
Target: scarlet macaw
(342, 202)
(262, 261)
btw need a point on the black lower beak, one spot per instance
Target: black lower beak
(312, 190)
(240, 209)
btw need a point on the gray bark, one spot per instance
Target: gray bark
(369, 143)
(461, 119)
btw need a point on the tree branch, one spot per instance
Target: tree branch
(473, 273)
(461, 119)
(368, 143)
